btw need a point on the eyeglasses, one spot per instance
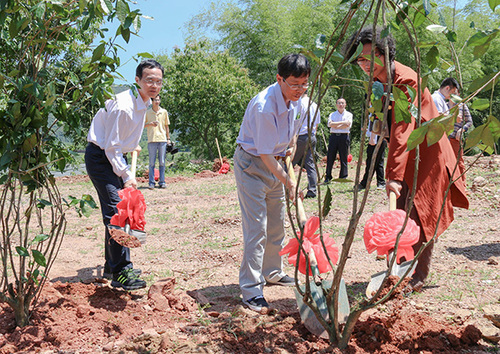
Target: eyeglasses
(296, 87)
(151, 82)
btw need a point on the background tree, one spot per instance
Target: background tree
(206, 94)
(39, 92)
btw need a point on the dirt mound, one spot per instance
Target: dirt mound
(89, 317)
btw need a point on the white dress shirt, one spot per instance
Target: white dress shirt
(340, 117)
(117, 129)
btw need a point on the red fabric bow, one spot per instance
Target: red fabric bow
(224, 168)
(312, 241)
(131, 209)
(382, 230)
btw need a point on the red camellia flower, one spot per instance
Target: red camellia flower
(311, 241)
(382, 230)
(131, 208)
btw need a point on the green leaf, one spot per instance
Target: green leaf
(106, 6)
(494, 126)
(474, 137)
(122, 10)
(23, 252)
(432, 57)
(145, 55)
(436, 28)
(480, 104)
(42, 203)
(40, 238)
(98, 52)
(378, 90)
(451, 36)
(434, 133)
(481, 81)
(39, 258)
(327, 202)
(418, 19)
(427, 7)
(125, 32)
(417, 137)
(493, 4)
(401, 105)
(82, 4)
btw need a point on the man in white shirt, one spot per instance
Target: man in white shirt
(115, 131)
(265, 138)
(448, 87)
(340, 123)
(310, 117)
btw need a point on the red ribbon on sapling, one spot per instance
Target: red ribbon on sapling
(131, 209)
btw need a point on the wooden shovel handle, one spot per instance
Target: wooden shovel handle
(392, 201)
(133, 166)
(300, 207)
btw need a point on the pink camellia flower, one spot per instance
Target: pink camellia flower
(382, 230)
(312, 241)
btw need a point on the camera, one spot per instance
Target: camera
(171, 148)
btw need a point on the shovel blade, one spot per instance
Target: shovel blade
(307, 315)
(377, 278)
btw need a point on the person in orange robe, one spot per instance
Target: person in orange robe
(437, 162)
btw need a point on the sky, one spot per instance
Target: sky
(159, 35)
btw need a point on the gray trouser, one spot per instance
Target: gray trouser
(262, 202)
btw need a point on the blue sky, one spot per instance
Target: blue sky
(159, 35)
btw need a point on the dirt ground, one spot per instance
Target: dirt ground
(192, 302)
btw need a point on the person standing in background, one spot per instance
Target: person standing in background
(462, 125)
(306, 148)
(340, 123)
(157, 123)
(378, 168)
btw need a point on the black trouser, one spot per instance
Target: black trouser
(379, 163)
(304, 152)
(337, 142)
(107, 184)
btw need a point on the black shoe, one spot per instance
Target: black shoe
(361, 187)
(127, 280)
(285, 281)
(106, 274)
(310, 195)
(257, 304)
(327, 180)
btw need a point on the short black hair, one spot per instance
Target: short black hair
(295, 65)
(366, 36)
(148, 64)
(449, 81)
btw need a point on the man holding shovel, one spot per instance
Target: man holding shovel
(436, 162)
(266, 135)
(115, 131)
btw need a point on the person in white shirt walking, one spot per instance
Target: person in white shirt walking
(340, 123)
(115, 131)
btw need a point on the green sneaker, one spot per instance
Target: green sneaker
(128, 280)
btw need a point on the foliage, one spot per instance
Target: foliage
(42, 44)
(206, 95)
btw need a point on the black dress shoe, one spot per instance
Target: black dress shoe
(310, 195)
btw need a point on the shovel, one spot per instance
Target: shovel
(397, 269)
(306, 314)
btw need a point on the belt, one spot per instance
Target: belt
(339, 134)
(277, 158)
